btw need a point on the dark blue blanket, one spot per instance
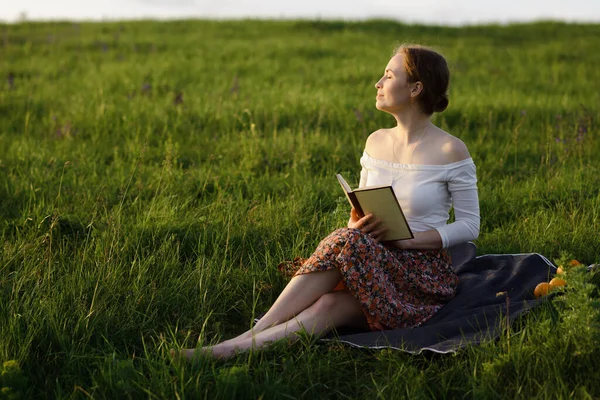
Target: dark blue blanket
(476, 314)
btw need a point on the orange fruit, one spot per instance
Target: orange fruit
(574, 263)
(560, 270)
(556, 282)
(541, 289)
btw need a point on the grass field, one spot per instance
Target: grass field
(153, 175)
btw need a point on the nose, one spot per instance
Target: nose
(378, 84)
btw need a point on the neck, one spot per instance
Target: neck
(410, 125)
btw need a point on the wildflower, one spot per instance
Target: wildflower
(64, 130)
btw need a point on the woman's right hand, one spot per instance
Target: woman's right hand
(367, 225)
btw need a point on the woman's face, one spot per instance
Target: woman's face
(393, 89)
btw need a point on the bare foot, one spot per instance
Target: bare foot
(177, 355)
(219, 352)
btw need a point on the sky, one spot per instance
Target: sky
(440, 12)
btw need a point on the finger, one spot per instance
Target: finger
(370, 227)
(378, 235)
(373, 228)
(363, 221)
(379, 229)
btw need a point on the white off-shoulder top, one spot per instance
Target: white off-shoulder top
(427, 192)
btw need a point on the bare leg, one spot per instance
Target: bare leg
(332, 310)
(299, 294)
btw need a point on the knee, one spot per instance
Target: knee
(325, 304)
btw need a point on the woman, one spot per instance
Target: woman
(353, 279)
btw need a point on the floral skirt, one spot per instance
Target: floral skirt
(396, 288)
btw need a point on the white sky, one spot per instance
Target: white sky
(446, 12)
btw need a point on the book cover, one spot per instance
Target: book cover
(380, 201)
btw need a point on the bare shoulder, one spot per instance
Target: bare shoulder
(376, 141)
(453, 149)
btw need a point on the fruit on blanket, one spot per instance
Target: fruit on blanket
(560, 270)
(544, 288)
(557, 282)
(541, 289)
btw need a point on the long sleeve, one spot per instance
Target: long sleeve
(462, 185)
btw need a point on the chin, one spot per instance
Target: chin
(381, 107)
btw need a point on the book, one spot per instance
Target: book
(381, 201)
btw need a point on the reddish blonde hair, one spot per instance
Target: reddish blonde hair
(424, 65)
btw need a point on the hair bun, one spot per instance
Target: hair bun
(441, 103)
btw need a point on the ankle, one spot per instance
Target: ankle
(248, 334)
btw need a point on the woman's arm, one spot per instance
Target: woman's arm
(462, 185)
(466, 222)
(428, 240)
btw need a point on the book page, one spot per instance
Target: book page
(343, 182)
(349, 194)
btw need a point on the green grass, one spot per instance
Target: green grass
(153, 174)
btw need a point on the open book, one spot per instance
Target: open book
(380, 201)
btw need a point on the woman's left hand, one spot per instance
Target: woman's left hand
(367, 225)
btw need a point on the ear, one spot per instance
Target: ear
(416, 89)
